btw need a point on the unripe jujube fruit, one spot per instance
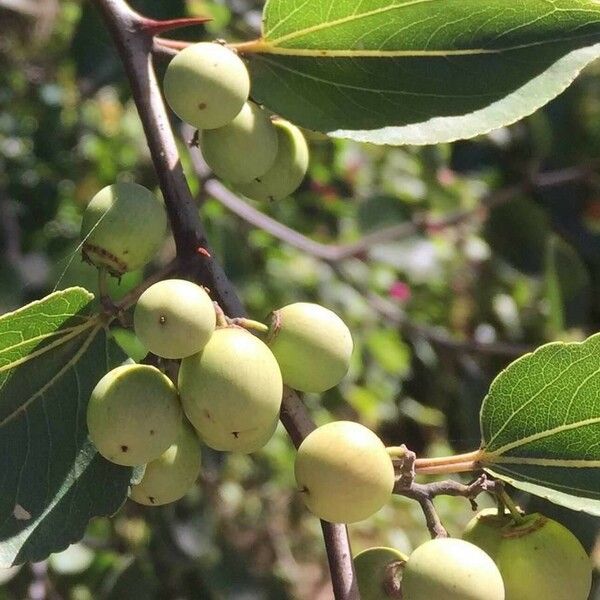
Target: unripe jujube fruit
(206, 85)
(379, 573)
(123, 227)
(344, 472)
(485, 530)
(174, 318)
(451, 569)
(169, 477)
(243, 149)
(246, 442)
(133, 415)
(288, 170)
(539, 558)
(232, 389)
(312, 345)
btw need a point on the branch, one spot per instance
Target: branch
(135, 45)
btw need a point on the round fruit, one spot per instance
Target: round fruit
(288, 170)
(133, 415)
(484, 530)
(174, 318)
(312, 345)
(246, 442)
(243, 149)
(451, 569)
(344, 472)
(169, 477)
(206, 85)
(123, 227)
(232, 389)
(539, 558)
(379, 573)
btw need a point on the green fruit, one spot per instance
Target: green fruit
(312, 345)
(484, 530)
(169, 477)
(206, 85)
(243, 149)
(451, 569)
(246, 442)
(133, 415)
(288, 170)
(123, 227)
(344, 472)
(174, 318)
(539, 558)
(231, 391)
(379, 573)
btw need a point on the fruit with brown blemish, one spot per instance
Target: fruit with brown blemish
(379, 573)
(288, 170)
(540, 558)
(123, 227)
(133, 414)
(243, 149)
(169, 477)
(174, 318)
(451, 569)
(206, 85)
(312, 345)
(344, 473)
(231, 391)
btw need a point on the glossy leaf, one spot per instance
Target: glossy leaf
(418, 71)
(540, 424)
(52, 480)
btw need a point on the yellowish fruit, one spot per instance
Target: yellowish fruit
(174, 318)
(288, 170)
(379, 573)
(312, 345)
(541, 559)
(246, 442)
(206, 85)
(451, 569)
(231, 391)
(344, 472)
(169, 477)
(133, 414)
(243, 149)
(123, 227)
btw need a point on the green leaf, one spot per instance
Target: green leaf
(567, 287)
(418, 71)
(52, 480)
(540, 424)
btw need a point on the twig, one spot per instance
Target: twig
(333, 253)
(135, 48)
(424, 494)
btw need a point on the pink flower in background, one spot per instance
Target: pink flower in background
(400, 291)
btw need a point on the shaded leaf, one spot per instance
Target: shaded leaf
(52, 480)
(540, 424)
(418, 71)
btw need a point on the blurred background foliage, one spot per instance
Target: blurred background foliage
(496, 249)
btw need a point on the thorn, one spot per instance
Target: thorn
(154, 27)
(203, 252)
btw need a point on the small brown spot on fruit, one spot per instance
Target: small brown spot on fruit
(124, 448)
(152, 499)
(162, 319)
(236, 434)
(202, 105)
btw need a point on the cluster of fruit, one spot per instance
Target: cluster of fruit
(208, 86)
(499, 558)
(230, 383)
